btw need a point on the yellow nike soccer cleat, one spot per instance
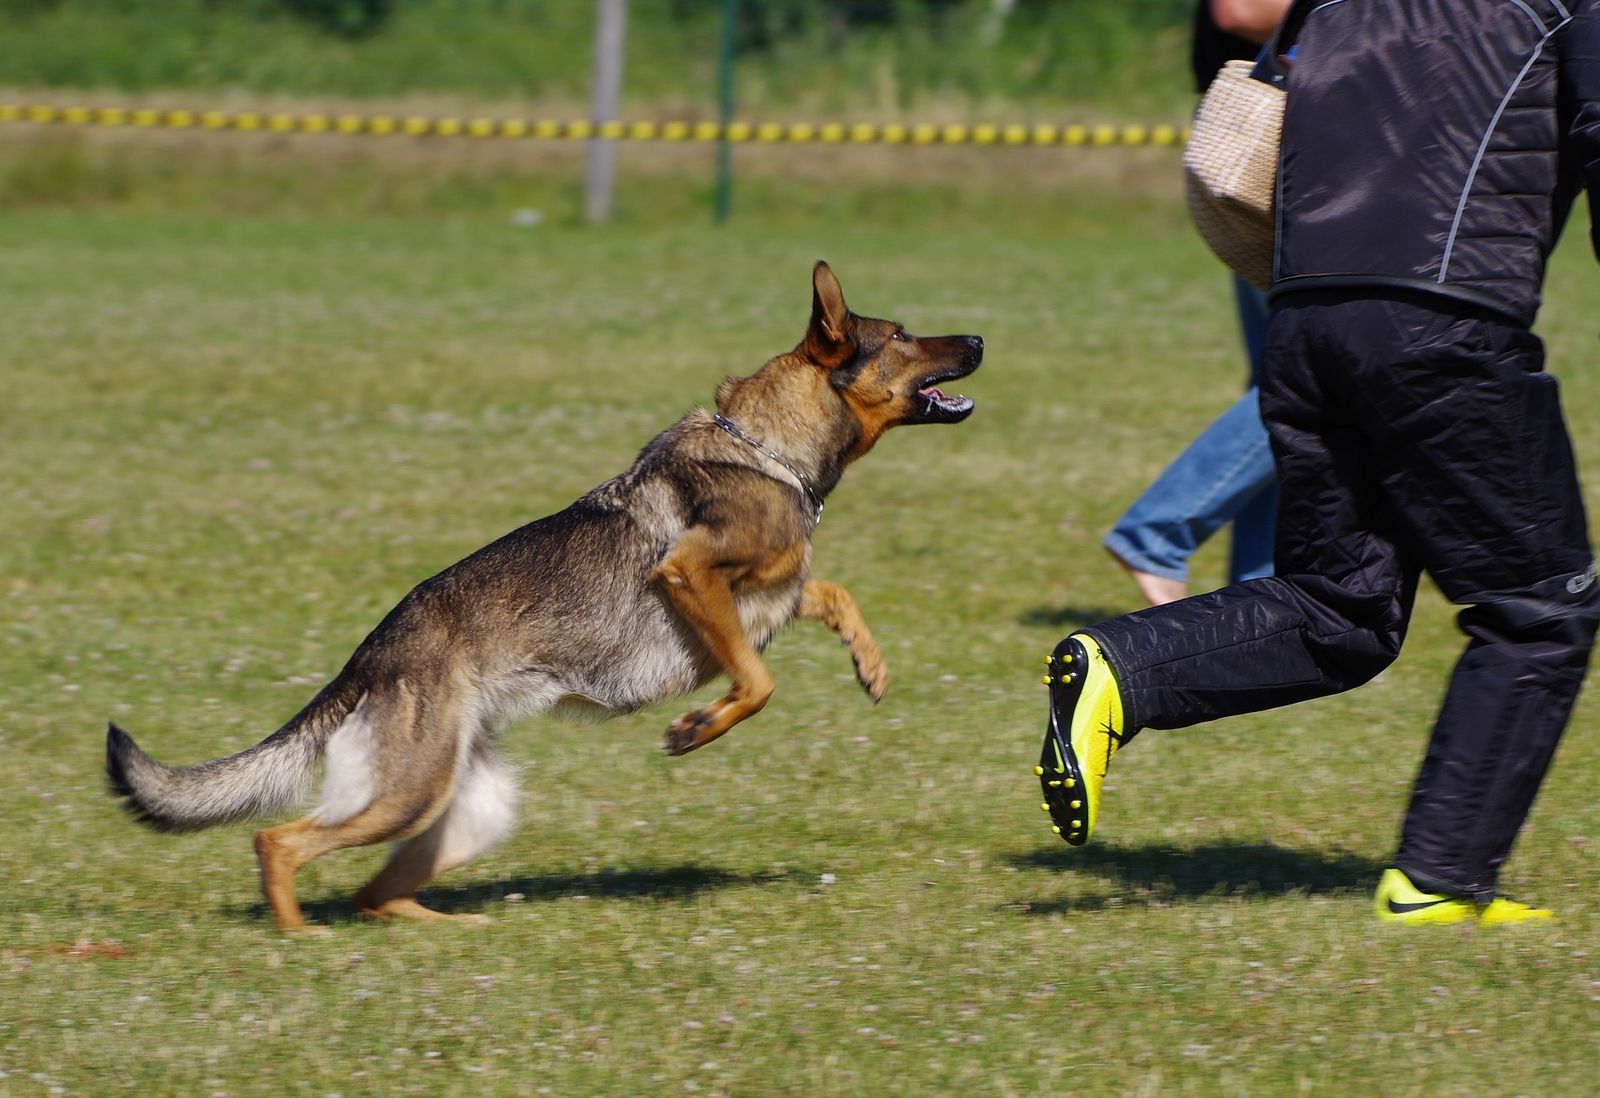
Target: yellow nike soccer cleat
(1084, 732)
(1502, 911)
(1397, 900)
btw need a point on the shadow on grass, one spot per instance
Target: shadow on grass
(1074, 617)
(1159, 875)
(664, 883)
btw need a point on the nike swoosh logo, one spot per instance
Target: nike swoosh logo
(1401, 909)
(1061, 764)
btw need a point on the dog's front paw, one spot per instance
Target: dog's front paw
(872, 673)
(686, 733)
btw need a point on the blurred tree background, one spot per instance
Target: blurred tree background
(1011, 60)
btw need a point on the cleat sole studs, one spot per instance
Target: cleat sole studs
(1038, 771)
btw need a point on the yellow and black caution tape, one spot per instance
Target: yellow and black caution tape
(388, 125)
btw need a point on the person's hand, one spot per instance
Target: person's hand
(1253, 20)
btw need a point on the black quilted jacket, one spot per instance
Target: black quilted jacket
(1410, 162)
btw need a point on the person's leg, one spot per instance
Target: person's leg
(1490, 495)
(1225, 475)
(1250, 554)
(1224, 470)
(1254, 316)
(1336, 613)
(1333, 618)
(1251, 549)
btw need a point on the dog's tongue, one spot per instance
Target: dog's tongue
(933, 392)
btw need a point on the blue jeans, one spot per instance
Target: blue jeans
(1224, 475)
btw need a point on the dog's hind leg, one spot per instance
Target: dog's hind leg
(283, 851)
(834, 607)
(480, 813)
(391, 771)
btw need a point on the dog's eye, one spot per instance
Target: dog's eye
(899, 333)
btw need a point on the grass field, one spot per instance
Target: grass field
(236, 434)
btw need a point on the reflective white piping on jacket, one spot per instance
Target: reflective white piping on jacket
(1531, 14)
(1488, 133)
(1559, 7)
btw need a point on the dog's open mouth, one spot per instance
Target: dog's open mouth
(938, 406)
(956, 356)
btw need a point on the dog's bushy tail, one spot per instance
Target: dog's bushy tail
(261, 780)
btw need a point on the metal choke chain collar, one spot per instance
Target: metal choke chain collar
(805, 482)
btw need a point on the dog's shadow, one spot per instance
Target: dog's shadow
(658, 884)
(1151, 876)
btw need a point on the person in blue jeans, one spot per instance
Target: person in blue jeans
(1226, 474)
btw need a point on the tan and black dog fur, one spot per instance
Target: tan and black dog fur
(651, 584)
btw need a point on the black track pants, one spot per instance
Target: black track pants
(1407, 436)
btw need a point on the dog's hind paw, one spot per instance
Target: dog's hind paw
(307, 931)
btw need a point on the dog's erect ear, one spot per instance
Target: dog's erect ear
(830, 341)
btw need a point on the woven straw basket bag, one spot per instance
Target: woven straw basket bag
(1230, 169)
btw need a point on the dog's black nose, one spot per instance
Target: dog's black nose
(975, 346)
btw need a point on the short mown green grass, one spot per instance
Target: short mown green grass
(233, 438)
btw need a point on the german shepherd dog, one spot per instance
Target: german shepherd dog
(681, 568)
